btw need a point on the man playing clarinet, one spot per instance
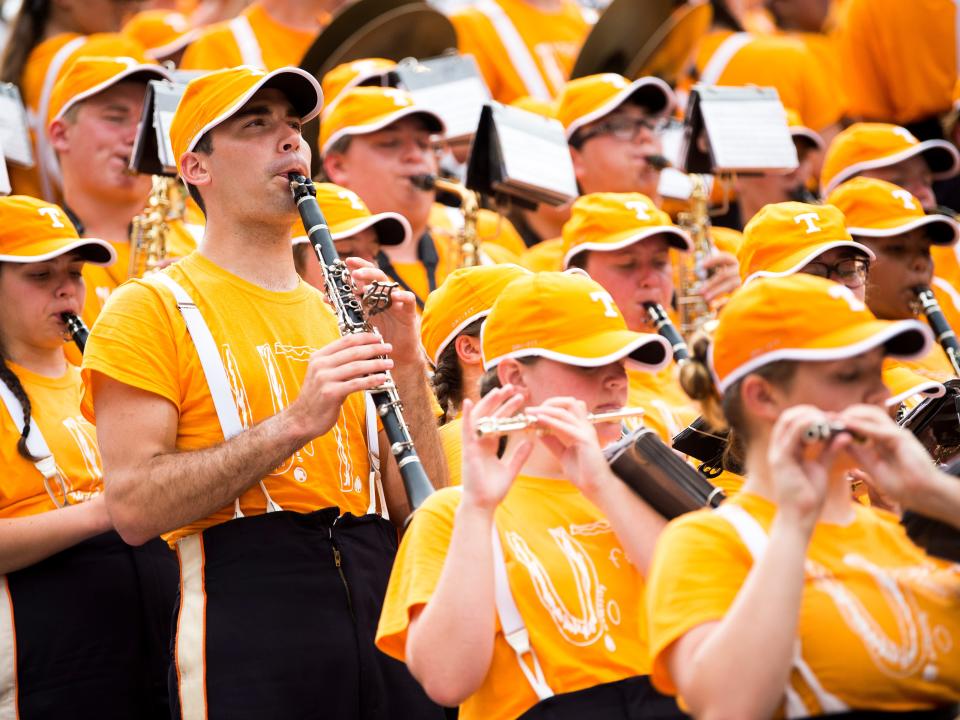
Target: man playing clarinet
(234, 423)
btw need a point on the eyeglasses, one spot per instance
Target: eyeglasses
(623, 128)
(851, 272)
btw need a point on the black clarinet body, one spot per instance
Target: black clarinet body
(78, 331)
(661, 322)
(353, 319)
(941, 328)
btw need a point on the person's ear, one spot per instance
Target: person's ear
(58, 132)
(511, 372)
(468, 350)
(194, 170)
(335, 167)
(761, 399)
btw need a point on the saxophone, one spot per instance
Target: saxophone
(149, 229)
(695, 313)
(468, 242)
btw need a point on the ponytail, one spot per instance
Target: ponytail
(10, 379)
(26, 32)
(697, 382)
(447, 380)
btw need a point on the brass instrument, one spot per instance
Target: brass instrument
(468, 242)
(78, 331)
(517, 423)
(149, 229)
(694, 311)
(938, 323)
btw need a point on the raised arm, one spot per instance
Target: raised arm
(450, 641)
(152, 488)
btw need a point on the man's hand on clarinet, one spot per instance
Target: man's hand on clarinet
(398, 324)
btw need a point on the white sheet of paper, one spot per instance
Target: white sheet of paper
(539, 158)
(458, 104)
(5, 188)
(14, 134)
(749, 134)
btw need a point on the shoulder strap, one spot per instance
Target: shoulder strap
(755, 538)
(213, 370)
(250, 53)
(722, 56)
(516, 49)
(373, 452)
(37, 446)
(514, 629)
(47, 164)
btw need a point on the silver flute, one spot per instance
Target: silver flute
(518, 423)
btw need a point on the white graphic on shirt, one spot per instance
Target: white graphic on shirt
(82, 434)
(916, 646)
(588, 622)
(237, 387)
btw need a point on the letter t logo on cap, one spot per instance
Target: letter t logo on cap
(808, 218)
(53, 215)
(609, 309)
(906, 198)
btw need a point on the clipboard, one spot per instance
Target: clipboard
(521, 156)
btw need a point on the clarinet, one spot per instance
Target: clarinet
(78, 331)
(661, 322)
(353, 319)
(941, 328)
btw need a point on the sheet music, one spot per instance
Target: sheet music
(451, 86)
(747, 129)
(14, 131)
(535, 152)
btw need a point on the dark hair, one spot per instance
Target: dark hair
(10, 379)
(26, 32)
(447, 377)
(725, 413)
(205, 146)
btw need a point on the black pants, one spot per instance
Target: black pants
(92, 624)
(630, 699)
(292, 604)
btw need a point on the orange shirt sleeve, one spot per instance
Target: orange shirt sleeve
(417, 569)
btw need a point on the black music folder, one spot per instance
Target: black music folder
(521, 156)
(152, 152)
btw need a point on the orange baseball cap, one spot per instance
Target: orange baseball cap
(357, 72)
(798, 129)
(613, 221)
(783, 237)
(805, 318)
(465, 295)
(34, 231)
(903, 383)
(545, 108)
(89, 75)
(565, 317)
(867, 146)
(161, 32)
(362, 110)
(347, 214)
(592, 97)
(215, 97)
(876, 208)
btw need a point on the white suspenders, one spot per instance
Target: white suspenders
(514, 629)
(722, 56)
(516, 49)
(227, 413)
(755, 538)
(37, 446)
(250, 53)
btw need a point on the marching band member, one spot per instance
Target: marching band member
(522, 47)
(237, 429)
(82, 614)
(891, 222)
(366, 71)
(450, 334)
(611, 125)
(95, 112)
(535, 622)
(356, 232)
(43, 39)
(623, 242)
(804, 601)
(267, 34)
(374, 141)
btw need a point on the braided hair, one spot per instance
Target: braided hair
(447, 378)
(10, 379)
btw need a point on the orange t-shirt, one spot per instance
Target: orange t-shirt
(577, 593)
(452, 445)
(55, 408)
(784, 63)
(899, 59)
(265, 339)
(101, 280)
(879, 619)
(545, 256)
(552, 39)
(216, 47)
